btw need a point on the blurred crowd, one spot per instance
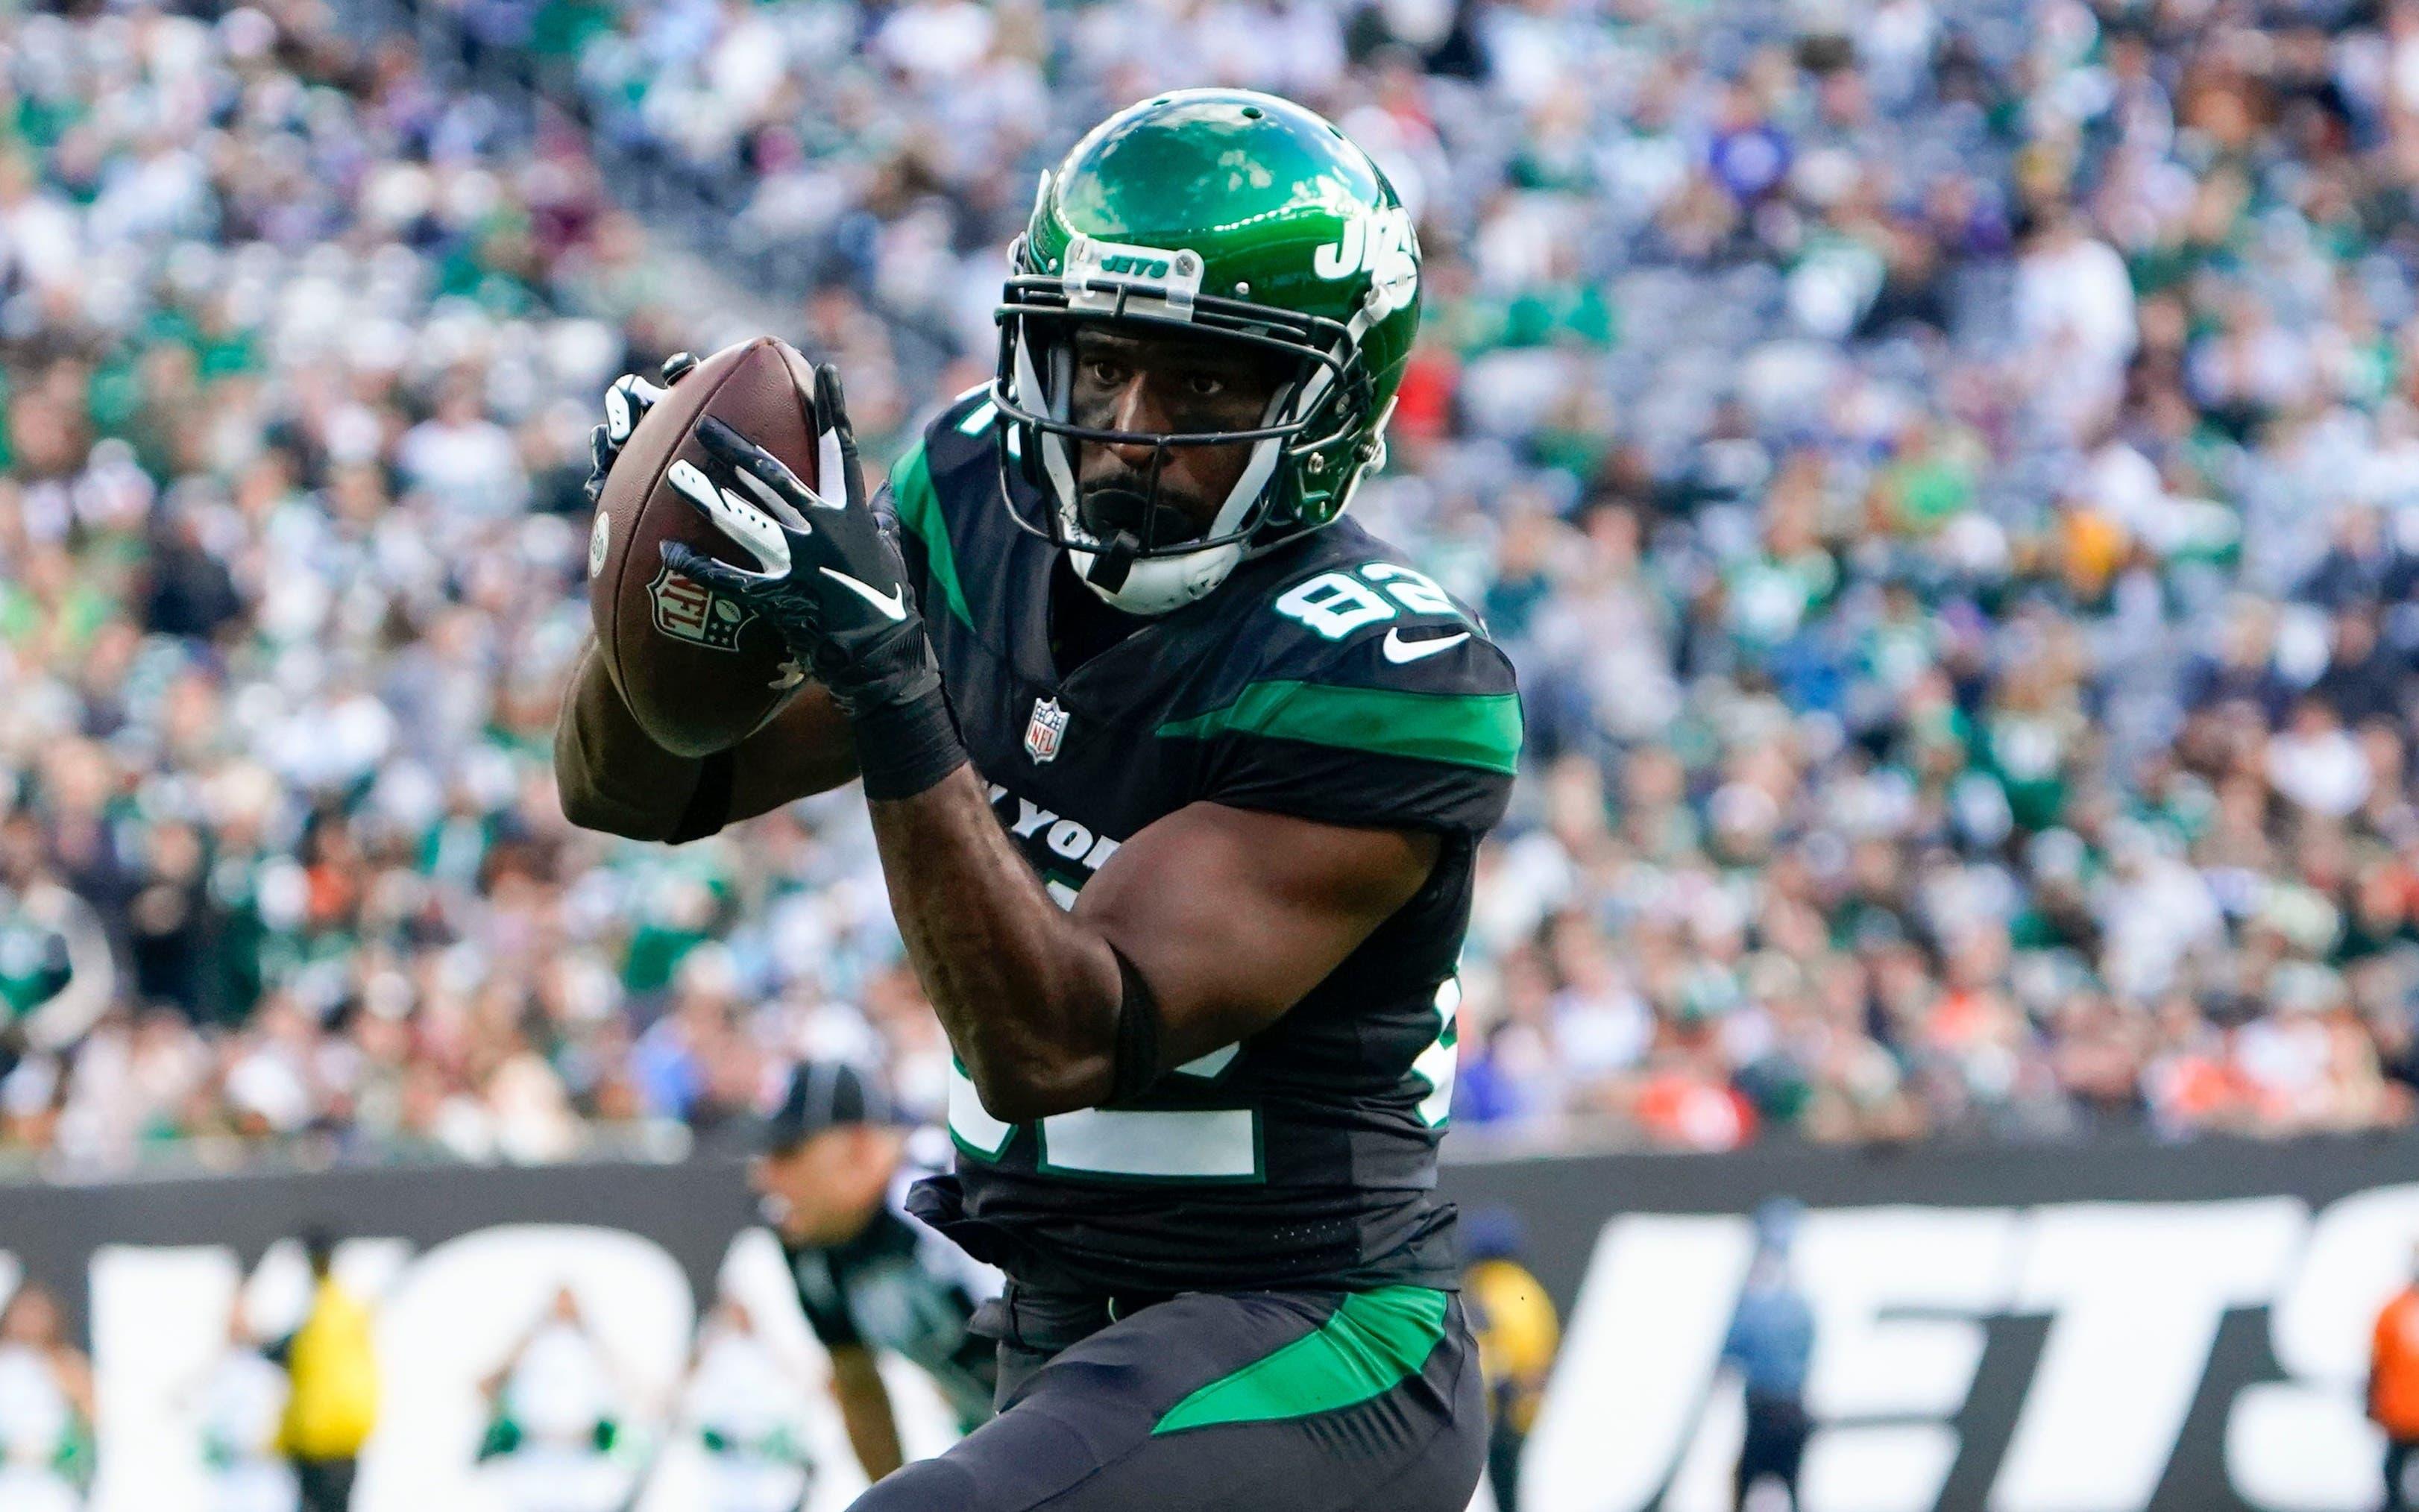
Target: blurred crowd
(1947, 470)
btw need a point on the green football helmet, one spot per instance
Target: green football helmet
(1217, 214)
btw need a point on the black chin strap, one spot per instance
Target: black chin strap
(1114, 562)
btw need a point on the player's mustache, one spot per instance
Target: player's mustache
(1109, 505)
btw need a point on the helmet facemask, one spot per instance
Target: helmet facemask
(1128, 543)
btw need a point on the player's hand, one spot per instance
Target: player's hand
(828, 579)
(626, 403)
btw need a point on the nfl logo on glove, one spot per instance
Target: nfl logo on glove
(1043, 733)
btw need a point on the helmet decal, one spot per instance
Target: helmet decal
(1382, 244)
(1110, 279)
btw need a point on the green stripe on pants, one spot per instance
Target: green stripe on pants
(1373, 1341)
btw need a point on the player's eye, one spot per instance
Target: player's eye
(1107, 374)
(1205, 385)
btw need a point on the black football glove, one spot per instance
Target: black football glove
(831, 581)
(626, 403)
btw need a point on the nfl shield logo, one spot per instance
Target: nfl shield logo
(1043, 733)
(689, 611)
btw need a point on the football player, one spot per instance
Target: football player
(832, 1172)
(1176, 776)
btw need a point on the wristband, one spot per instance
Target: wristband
(903, 748)
(709, 806)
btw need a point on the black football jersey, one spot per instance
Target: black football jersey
(1324, 679)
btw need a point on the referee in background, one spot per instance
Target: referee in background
(834, 1166)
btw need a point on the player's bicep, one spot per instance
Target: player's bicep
(1232, 914)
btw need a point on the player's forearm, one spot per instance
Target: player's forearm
(613, 777)
(1029, 997)
(805, 749)
(865, 1408)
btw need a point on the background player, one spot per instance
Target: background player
(834, 1171)
(1192, 928)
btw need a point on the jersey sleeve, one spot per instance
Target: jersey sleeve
(911, 504)
(1411, 720)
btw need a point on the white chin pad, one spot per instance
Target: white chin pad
(1157, 585)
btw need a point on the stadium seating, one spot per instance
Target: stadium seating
(1951, 492)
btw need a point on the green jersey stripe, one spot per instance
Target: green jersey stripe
(1373, 1341)
(1481, 730)
(920, 512)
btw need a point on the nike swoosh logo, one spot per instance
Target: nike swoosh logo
(893, 604)
(1399, 651)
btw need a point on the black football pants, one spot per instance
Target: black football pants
(1263, 1402)
(1777, 1430)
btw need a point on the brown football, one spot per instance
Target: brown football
(698, 670)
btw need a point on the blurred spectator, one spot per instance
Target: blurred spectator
(2394, 1390)
(240, 1400)
(332, 1404)
(1770, 1342)
(744, 1406)
(559, 1413)
(46, 1408)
